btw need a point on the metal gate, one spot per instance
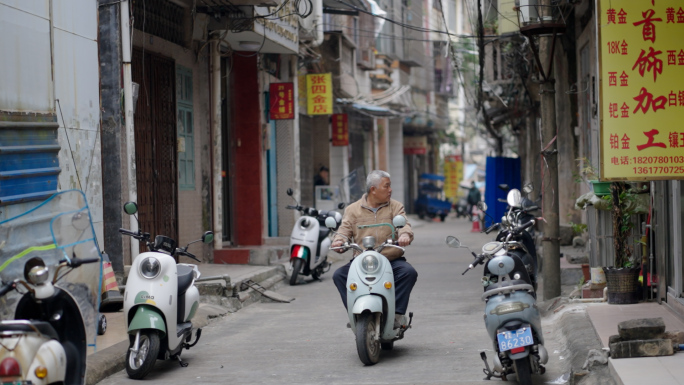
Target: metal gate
(155, 144)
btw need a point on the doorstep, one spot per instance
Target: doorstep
(252, 255)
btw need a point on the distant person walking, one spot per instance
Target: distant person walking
(474, 196)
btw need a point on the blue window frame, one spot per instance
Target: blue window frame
(186, 132)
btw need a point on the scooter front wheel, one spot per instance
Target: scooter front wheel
(523, 371)
(367, 343)
(139, 364)
(296, 267)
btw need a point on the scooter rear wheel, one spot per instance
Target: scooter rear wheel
(367, 343)
(138, 365)
(523, 371)
(296, 267)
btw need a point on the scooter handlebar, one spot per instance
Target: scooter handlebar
(478, 260)
(492, 228)
(128, 232)
(189, 255)
(76, 262)
(7, 288)
(524, 226)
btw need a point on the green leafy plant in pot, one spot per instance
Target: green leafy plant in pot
(623, 277)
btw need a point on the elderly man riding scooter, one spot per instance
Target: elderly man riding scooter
(376, 206)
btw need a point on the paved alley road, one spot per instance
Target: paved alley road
(307, 342)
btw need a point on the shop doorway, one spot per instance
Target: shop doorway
(155, 144)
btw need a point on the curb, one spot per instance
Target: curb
(111, 360)
(579, 339)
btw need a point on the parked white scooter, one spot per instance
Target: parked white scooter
(160, 301)
(310, 241)
(370, 294)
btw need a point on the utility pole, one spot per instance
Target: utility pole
(543, 22)
(549, 152)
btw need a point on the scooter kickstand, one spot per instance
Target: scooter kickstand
(197, 337)
(180, 361)
(486, 370)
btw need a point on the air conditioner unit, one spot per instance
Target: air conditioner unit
(365, 58)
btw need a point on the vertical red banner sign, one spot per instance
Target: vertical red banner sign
(340, 130)
(281, 100)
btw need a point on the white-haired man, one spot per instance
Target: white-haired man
(377, 206)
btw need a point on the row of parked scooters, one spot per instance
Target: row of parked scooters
(511, 315)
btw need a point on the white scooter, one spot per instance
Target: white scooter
(370, 294)
(310, 241)
(160, 301)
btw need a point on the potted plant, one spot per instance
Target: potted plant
(623, 278)
(591, 175)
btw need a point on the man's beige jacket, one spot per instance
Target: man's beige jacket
(360, 213)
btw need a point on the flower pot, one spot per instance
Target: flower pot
(623, 285)
(600, 188)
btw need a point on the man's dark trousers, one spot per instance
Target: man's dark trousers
(405, 277)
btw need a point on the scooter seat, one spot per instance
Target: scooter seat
(185, 278)
(26, 326)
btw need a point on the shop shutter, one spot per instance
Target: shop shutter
(29, 166)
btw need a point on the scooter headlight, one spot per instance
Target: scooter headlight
(370, 264)
(150, 267)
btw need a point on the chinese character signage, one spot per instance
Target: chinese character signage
(340, 130)
(415, 145)
(319, 94)
(642, 89)
(281, 100)
(453, 174)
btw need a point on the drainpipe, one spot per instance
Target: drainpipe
(216, 142)
(317, 14)
(128, 114)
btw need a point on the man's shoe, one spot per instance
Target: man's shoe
(400, 320)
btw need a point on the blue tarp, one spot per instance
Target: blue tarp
(500, 170)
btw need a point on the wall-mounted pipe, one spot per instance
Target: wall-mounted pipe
(317, 14)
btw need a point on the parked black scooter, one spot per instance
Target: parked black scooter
(51, 274)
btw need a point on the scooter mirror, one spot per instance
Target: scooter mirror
(514, 198)
(130, 208)
(330, 222)
(399, 221)
(452, 241)
(482, 206)
(528, 188)
(340, 206)
(208, 237)
(289, 191)
(504, 187)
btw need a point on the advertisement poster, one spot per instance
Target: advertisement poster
(281, 98)
(641, 63)
(453, 175)
(319, 94)
(340, 130)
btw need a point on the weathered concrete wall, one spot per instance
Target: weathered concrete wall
(55, 70)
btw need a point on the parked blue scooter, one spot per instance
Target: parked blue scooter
(511, 315)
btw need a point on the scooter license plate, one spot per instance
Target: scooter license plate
(514, 339)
